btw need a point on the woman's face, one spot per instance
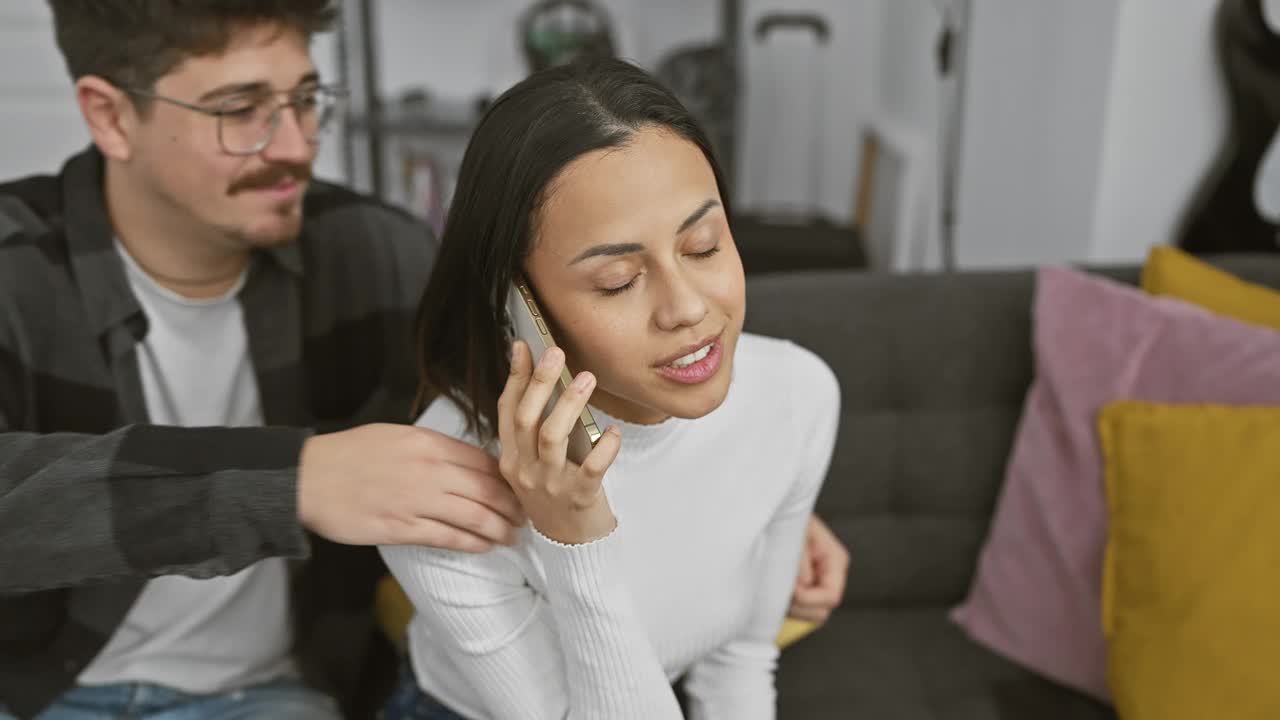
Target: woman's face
(633, 260)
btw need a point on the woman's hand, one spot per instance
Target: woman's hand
(565, 501)
(824, 567)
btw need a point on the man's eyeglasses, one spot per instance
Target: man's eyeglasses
(246, 125)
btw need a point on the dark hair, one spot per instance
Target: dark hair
(519, 147)
(136, 42)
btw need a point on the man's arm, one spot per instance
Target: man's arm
(145, 501)
(140, 501)
(150, 500)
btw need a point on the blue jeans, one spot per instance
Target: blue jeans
(409, 702)
(278, 700)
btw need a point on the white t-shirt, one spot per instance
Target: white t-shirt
(214, 635)
(696, 578)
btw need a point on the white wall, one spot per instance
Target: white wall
(1035, 115)
(1166, 117)
(41, 123)
(324, 51)
(1087, 125)
(906, 82)
(903, 99)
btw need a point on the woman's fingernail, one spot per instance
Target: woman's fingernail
(584, 382)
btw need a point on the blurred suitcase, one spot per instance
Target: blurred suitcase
(797, 235)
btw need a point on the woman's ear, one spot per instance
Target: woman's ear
(109, 114)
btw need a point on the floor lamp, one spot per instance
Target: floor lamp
(952, 51)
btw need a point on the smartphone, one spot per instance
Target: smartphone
(529, 324)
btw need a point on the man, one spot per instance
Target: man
(175, 307)
(162, 337)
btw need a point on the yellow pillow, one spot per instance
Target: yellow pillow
(393, 611)
(792, 630)
(1170, 271)
(1191, 580)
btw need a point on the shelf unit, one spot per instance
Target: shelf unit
(372, 124)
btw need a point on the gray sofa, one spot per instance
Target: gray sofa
(933, 371)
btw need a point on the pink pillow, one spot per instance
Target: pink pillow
(1036, 594)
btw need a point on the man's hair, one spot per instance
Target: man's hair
(136, 42)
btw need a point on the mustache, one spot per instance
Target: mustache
(271, 176)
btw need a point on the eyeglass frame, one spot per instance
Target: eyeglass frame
(334, 93)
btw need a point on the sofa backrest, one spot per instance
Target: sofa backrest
(933, 370)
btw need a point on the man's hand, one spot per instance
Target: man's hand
(824, 566)
(403, 485)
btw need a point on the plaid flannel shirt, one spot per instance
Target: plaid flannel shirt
(94, 500)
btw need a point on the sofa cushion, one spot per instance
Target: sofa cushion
(912, 664)
(1036, 598)
(1190, 580)
(1172, 272)
(932, 371)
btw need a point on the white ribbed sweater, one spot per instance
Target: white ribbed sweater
(695, 579)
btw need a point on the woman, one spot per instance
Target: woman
(673, 548)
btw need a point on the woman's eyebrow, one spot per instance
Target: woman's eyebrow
(608, 249)
(619, 249)
(697, 215)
